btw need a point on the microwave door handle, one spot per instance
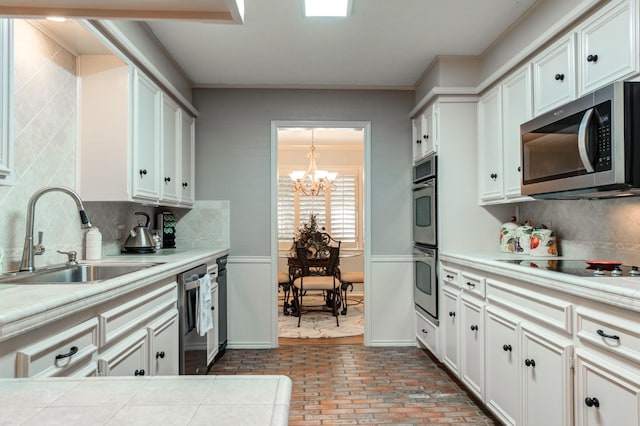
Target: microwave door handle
(583, 141)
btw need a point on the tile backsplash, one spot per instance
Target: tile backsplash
(600, 229)
(45, 123)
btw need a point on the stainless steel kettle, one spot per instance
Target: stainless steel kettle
(140, 239)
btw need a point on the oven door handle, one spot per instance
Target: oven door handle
(426, 184)
(583, 141)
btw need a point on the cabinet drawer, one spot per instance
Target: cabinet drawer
(61, 353)
(131, 316)
(610, 333)
(426, 332)
(554, 312)
(473, 284)
(450, 277)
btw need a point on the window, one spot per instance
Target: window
(337, 210)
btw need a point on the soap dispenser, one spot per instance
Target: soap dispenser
(93, 242)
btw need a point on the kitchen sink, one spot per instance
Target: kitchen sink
(75, 274)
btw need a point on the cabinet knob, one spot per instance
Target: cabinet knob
(474, 328)
(160, 354)
(139, 372)
(452, 314)
(143, 172)
(592, 402)
(167, 179)
(529, 362)
(425, 136)
(519, 168)
(493, 176)
(425, 331)
(185, 184)
(419, 141)
(560, 77)
(592, 58)
(449, 277)
(471, 285)
(506, 348)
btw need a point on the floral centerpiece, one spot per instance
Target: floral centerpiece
(310, 236)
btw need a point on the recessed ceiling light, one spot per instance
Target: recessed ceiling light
(327, 7)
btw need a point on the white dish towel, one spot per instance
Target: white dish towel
(204, 318)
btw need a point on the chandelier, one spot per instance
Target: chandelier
(312, 181)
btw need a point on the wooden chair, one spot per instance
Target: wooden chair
(285, 284)
(326, 280)
(347, 279)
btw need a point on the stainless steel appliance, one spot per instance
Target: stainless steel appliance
(424, 202)
(140, 239)
(188, 286)
(425, 289)
(589, 148)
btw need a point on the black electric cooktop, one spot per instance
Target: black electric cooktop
(581, 268)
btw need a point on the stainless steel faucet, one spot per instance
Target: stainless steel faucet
(27, 263)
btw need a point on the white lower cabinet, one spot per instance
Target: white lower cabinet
(547, 382)
(472, 344)
(133, 334)
(450, 329)
(605, 393)
(127, 358)
(426, 332)
(163, 338)
(502, 353)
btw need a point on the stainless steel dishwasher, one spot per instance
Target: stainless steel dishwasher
(188, 288)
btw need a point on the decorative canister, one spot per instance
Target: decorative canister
(543, 242)
(523, 238)
(508, 235)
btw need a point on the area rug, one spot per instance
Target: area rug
(315, 325)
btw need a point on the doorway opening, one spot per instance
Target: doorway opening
(339, 209)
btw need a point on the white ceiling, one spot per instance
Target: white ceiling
(383, 44)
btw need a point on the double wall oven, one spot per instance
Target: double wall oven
(425, 237)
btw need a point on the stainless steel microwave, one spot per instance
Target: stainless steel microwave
(588, 148)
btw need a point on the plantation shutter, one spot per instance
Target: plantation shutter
(344, 209)
(309, 205)
(286, 209)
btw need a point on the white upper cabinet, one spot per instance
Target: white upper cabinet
(170, 177)
(554, 75)
(131, 136)
(187, 144)
(6, 102)
(490, 145)
(516, 109)
(425, 138)
(146, 138)
(608, 45)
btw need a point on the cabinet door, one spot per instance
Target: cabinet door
(472, 344)
(6, 102)
(606, 394)
(501, 372)
(212, 335)
(416, 140)
(516, 109)
(188, 129)
(127, 358)
(428, 134)
(490, 145)
(450, 330)
(171, 151)
(163, 335)
(546, 378)
(146, 138)
(554, 81)
(608, 46)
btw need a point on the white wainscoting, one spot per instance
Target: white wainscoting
(253, 307)
(389, 311)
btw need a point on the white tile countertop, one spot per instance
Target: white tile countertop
(25, 307)
(623, 292)
(160, 400)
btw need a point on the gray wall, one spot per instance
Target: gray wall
(233, 156)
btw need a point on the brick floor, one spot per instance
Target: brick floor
(354, 384)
